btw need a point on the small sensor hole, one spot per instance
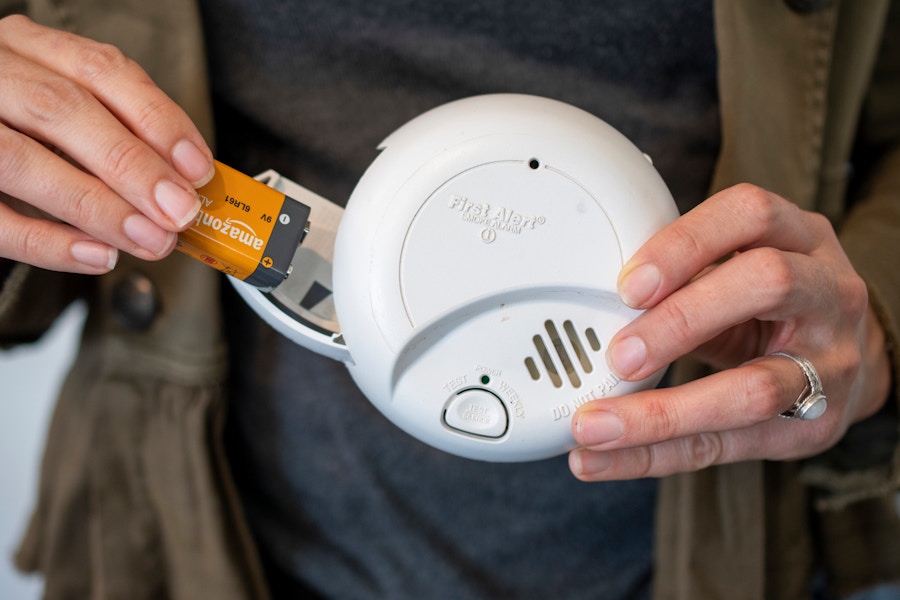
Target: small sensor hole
(534, 164)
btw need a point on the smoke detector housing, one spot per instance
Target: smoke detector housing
(470, 283)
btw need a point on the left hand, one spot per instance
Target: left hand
(787, 286)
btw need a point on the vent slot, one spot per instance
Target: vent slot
(562, 353)
(593, 340)
(532, 368)
(542, 351)
(580, 353)
(555, 354)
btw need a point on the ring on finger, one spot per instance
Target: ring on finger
(811, 403)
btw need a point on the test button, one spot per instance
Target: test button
(478, 412)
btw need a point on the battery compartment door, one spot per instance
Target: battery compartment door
(302, 307)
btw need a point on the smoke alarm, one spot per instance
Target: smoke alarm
(470, 284)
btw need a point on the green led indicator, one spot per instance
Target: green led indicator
(485, 380)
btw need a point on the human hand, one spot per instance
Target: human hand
(787, 286)
(94, 158)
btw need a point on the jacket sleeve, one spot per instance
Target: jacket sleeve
(867, 461)
(9, 7)
(31, 299)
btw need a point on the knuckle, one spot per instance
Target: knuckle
(679, 320)
(661, 417)
(850, 364)
(54, 99)
(645, 461)
(702, 450)
(122, 159)
(819, 223)
(688, 243)
(156, 115)
(96, 60)
(31, 243)
(744, 188)
(765, 391)
(856, 296)
(15, 21)
(82, 203)
(775, 272)
(756, 205)
(13, 152)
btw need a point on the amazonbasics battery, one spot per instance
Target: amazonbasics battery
(245, 228)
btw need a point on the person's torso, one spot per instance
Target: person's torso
(338, 498)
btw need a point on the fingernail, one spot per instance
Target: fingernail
(193, 164)
(598, 427)
(586, 462)
(147, 234)
(627, 356)
(95, 254)
(179, 204)
(639, 285)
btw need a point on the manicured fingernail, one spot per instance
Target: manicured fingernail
(193, 164)
(598, 427)
(627, 355)
(639, 285)
(147, 234)
(95, 254)
(587, 462)
(178, 203)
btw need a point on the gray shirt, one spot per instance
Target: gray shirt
(342, 503)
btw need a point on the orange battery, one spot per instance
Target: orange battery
(245, 228)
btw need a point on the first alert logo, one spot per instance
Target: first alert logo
(495, 218)
(231, 228)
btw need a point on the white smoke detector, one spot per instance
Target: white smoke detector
(470, 284)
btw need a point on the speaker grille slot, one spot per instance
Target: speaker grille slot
(555, 354)
(591, 336)
(578, 347)
(544, 354)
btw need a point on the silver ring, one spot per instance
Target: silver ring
(811, 403)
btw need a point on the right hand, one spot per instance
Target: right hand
(94, 158)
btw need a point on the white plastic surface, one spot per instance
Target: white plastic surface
(316, 327)
(475, 271)
(485, 225)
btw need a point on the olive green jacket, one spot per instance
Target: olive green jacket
(136, 500)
